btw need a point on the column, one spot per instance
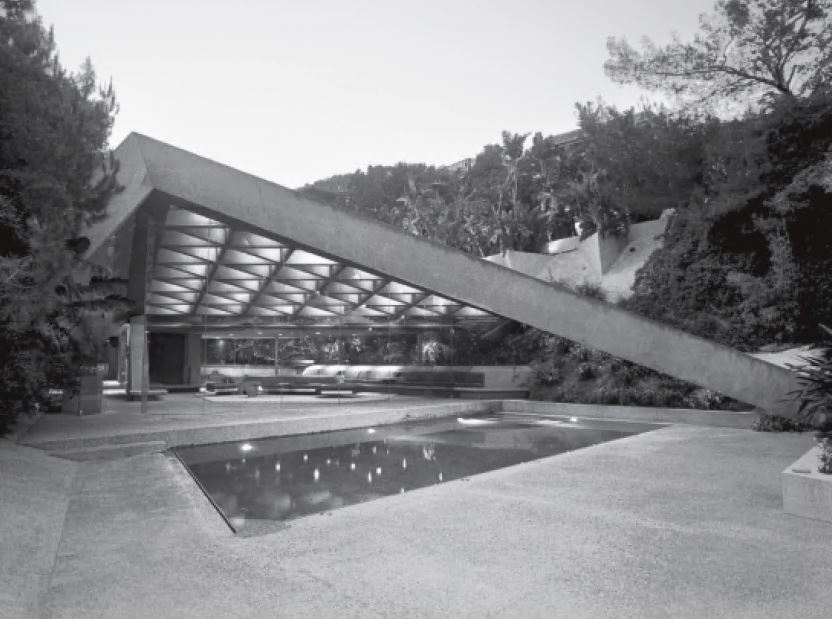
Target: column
(137, 357)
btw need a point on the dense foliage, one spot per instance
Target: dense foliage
(748, 263)
(55, 174)
(523, 192)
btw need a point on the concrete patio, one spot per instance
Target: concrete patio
(684, 521)
(186, 419)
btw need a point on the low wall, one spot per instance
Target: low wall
(650, 229)
(239, 371)
(725, 419)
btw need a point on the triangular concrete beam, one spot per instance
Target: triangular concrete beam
(150, 168)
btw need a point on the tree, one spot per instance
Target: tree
(748, 261)
(652, 158)
(56, 174)
(747, 48)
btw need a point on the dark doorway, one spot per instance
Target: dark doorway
(166, 358)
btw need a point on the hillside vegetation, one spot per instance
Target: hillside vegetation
(746, 259)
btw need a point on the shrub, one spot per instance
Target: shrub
(589, 289)
(779, 423)
(814, 399)
(586, 371)
(582, 353)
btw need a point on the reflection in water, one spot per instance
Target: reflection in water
(280, 484)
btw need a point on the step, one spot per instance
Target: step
(110, 452)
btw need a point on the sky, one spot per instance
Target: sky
(298, 90)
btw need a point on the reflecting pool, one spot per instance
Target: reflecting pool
(260, 482)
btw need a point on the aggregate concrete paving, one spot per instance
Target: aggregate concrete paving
(684, 521)
(34, 494)
(189, 419)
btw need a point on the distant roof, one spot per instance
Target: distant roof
(570, 137)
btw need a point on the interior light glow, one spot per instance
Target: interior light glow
(306, 457)
(371, 431)
(574, 419)
(278, 467)
(404, 463)
(316, 474)
(352, 466)
(378, 470)
(476, 422)
(246, 447)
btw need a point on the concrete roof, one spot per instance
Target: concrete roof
(215, 264)
(168, 181)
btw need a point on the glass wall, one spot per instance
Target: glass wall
(293, 352)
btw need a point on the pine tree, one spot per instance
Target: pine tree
(56, 174)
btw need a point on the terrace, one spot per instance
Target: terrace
(685, 521)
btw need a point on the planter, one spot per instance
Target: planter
(806, 492)
(83, 395)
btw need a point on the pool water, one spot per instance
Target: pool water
(261, 482)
